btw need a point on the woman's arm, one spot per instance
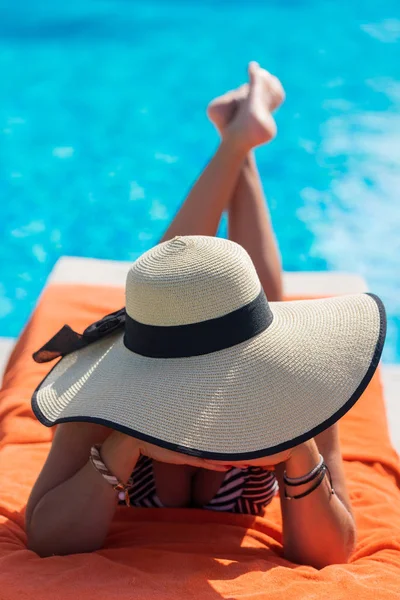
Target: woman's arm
(318, 529)
(71, 505)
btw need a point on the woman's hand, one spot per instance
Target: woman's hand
(266, 462)
(177, 458)
(168, 456)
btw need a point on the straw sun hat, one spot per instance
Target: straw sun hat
(200, 363)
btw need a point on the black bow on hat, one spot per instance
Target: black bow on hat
(67, 340)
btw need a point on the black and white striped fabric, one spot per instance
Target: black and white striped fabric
(242, 490)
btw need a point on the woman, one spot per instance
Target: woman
(72, 504)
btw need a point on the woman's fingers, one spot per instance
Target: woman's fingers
(266, 462)
(177, 458)
(214, 467)
(201, 463)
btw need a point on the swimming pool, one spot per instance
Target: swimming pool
(103, 130)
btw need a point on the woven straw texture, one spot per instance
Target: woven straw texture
(190, 279)
(254, 396)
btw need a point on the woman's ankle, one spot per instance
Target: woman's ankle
(235, 144)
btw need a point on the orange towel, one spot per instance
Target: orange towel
(154, 553)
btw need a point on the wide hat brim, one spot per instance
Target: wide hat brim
(260, 397)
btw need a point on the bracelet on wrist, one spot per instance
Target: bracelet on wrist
(312, 488)
(308, 477)
(119, 486)
(317, 475)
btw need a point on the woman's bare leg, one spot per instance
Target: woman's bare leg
(249, 218)
(251, 126)
(201, 212)
(250, 225)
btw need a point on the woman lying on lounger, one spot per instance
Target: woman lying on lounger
(207, 391)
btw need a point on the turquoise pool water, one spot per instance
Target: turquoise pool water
(103, 130)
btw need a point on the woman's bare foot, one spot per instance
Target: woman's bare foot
(246, 111)
(221, 110)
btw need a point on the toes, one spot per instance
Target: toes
(273, 88)
(253, 72)
(221, 110)
(215, 110)
(253, 68)
(211, 109)
(227, 101)
(221, 101)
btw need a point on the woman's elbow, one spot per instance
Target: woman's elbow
(324, 555)
(39, 544)
(39, 548)
(320, 560)
(340, 553)
(336, 556)
(47, 545)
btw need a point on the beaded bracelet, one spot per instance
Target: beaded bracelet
(121, 488)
